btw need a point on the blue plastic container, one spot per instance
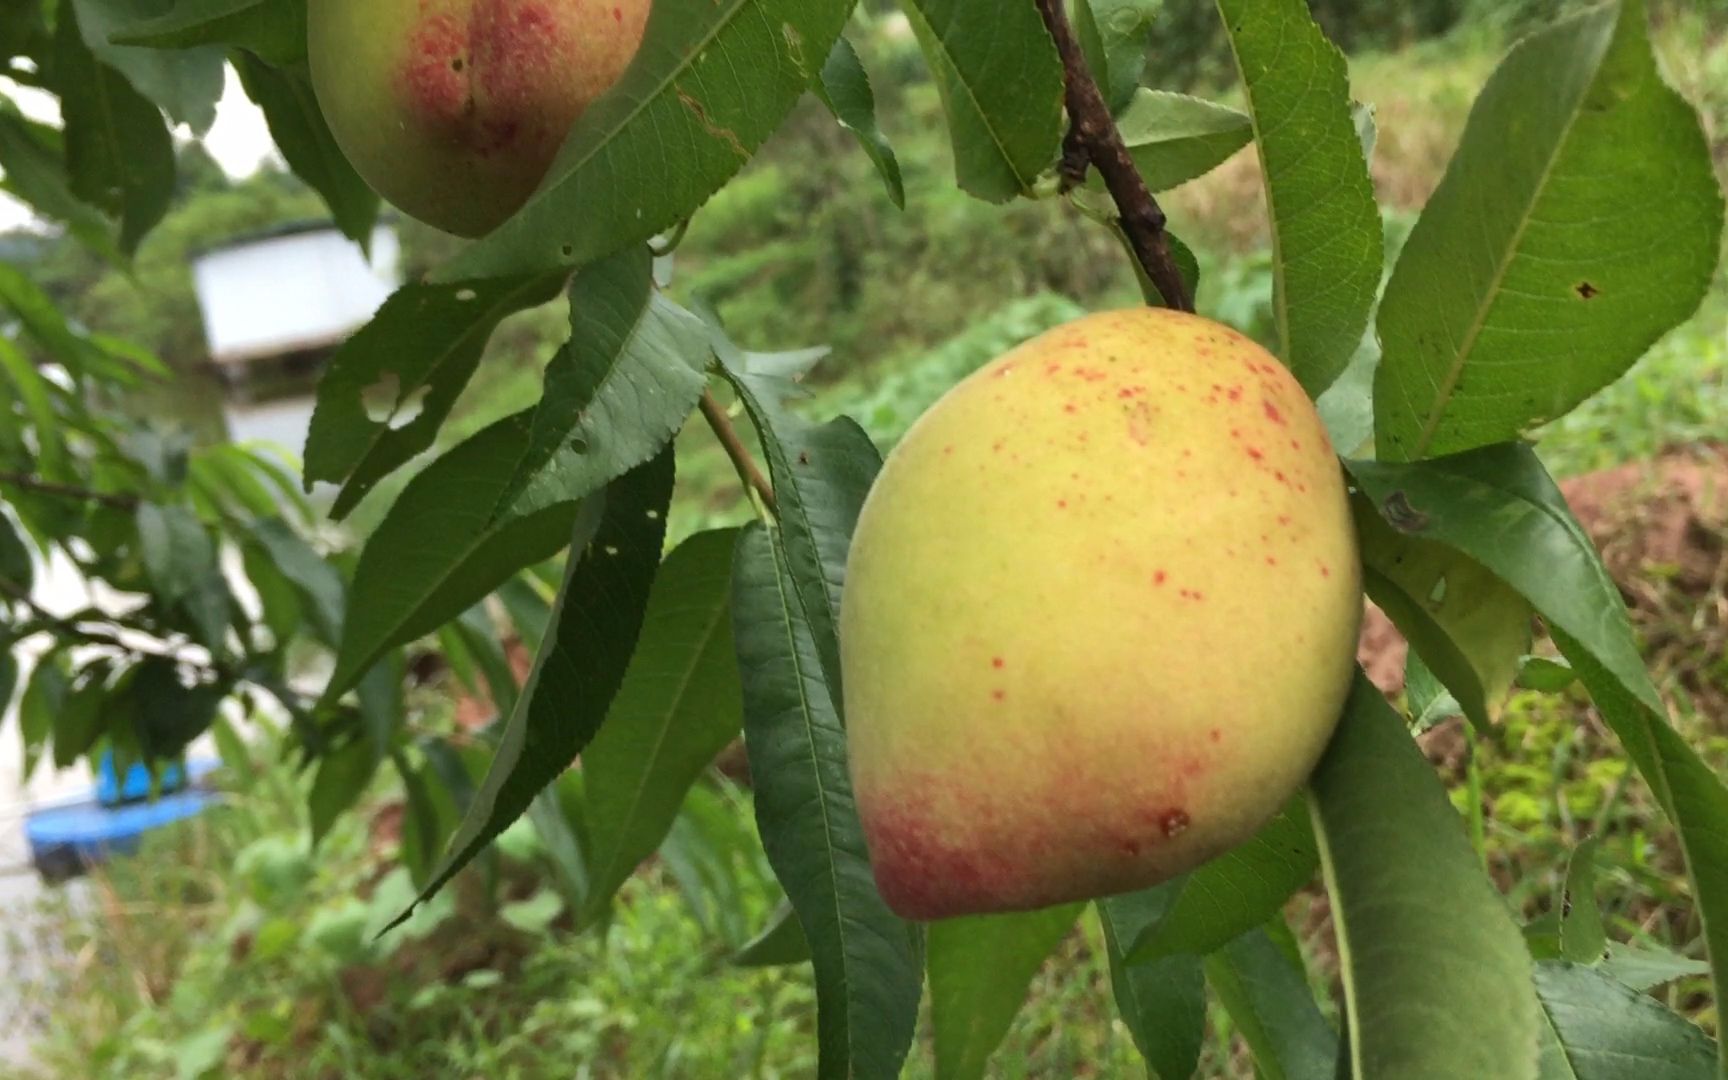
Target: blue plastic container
(68, 837)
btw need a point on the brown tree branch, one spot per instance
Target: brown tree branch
(748, 470)
(62, 491)
(1094, 132)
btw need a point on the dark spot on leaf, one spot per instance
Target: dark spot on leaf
(1587, 291)
(804, 457)
(1402, 516)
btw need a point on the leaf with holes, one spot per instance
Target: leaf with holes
(580, 664)
(680, 705)
(710, 83)
(1436, 976)
(1326, 238)
(1001, 83)
(413, 359)
(1577, 223)
(508, 497)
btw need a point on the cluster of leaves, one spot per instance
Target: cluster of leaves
(1579, 220)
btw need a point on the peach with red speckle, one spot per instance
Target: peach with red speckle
(454, 109)
(1094, 667)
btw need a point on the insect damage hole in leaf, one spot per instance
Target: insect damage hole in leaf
(387, 406)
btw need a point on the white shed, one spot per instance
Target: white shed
(275, 306)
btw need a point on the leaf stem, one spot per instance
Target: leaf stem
(1094, 139)
(748, 471)
(63, 491)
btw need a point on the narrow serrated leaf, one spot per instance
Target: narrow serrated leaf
(980, 968)
(1326, 238)
(868, 973)
(844, 86)
(679, 706)
(580, 664)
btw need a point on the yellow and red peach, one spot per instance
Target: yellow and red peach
(1099, 620)
(453, 110)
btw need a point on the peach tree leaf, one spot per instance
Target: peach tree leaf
(1326, 236)
(423, 346)
(869, 974)
(679, 706)
(1234, 893)
(1436, 975)
(1267, 996)
(1597, 1029)
(508, 497)
(1163, 1000)
(1578, 222)
(844, 86)
(595, 625)
(980, 968)
(1001, 84)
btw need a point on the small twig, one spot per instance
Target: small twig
(748, 470)
(1094, 131)
(62, 491)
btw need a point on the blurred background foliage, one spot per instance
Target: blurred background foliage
(805, 249)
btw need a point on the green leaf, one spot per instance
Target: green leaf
(680, 705)
(180, 562)
(1499, 506)
(868, 974)
(1175, 138)
(821, 475)
(33, 393)
(1001, 84)
(166, 713)
(273, 29)
(711, 82)
(844, 86)
(1326, 239)
(1114, 35)
(1647, 967)
(1578, 222)
(37, 313)
(118, 150)
(980, 968)
(33, 165)
(184, 83)
(1235, 892)
(1270, 1003)
(343, 776)
(317, 583)
(781, 942)
(1162, 1001)
(300, 132)
(1436, 976)
(1600, 1030)
(1582, 938)
(43, 700)
(17, 568)
(78, 722)
(421, 348)
(507, 498)
(1469, 627)
(581, 663)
